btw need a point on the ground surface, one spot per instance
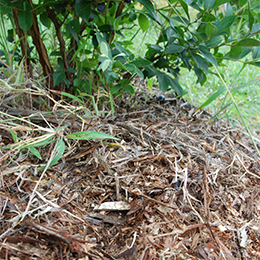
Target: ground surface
(174, 186)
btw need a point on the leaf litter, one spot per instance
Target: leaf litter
(173, 185)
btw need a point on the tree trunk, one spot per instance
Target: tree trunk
(24, 44)
(42, 52)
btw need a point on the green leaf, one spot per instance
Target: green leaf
(256, 53)
(100, 39)
(59, 149)
(143, 22)
(60, 63)
(73, 32)
(214, 42)
(166, 81)
(45, 19)
(155, 48)
(162, 63)
(115, 89)
(132, 16)
(242, 2)
(181, 19)
(130, 67)
(140, 63)
(71, 70)
(174, 84)
(55, 53)
(210, 30)
(43, 143)
(243, 85)
(148, 6)
(207, 55)
(256, 64)
(150, 85)
(121, 49)
(235, 51)
(110, 75)
(129, 89)
(83, 9)
(105, 64)
(173, 48)
(25, 20)
(6, 3)
(118, 65)
(26, 6)
(250, 18)
(255, 28)
(163, 82)
(14, 135)
(208, 17)
(104, 48)
(5, 9)
(58, 77)
(139, 72)
(90, 135)
(185, 60)
(151, 71)
(208, 4)
(245, 51)
(221, 2)
(213, 97)
(35, 152)
(185, 8)
(225, 23)
(222, 90)
(248, 43)
(199, 73)
(200, 62)
(73, 97)
(194, 4)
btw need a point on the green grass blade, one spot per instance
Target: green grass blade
(223, 89)
(35, 152)
(239, 112)
(93, 102)
(90, 135)
(213, 97)
(59, 148)
(73, 97)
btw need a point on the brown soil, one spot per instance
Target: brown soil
(174, 186)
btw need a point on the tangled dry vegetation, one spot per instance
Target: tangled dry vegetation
(174, 186)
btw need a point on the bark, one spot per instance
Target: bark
(23, 43)
(42, 52)
(57, 25)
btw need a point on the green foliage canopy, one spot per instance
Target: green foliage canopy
(89, 36)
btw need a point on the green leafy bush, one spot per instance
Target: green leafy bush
(89, 48)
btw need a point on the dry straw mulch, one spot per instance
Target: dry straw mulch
(175, 186)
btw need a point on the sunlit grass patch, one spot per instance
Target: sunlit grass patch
(247, 94)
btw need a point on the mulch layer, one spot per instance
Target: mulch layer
(175, 185)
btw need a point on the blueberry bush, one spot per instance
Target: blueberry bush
(78, 40)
